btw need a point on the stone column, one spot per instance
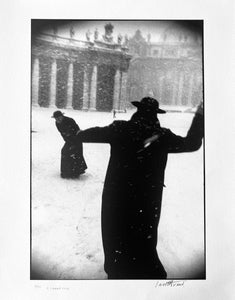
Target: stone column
(85, 89)
(53, 85)
(161, 89)
(93, 89)
(190, 92)
(117, 89)
(123, 91)
(146, 91)
(174, 92)
(35, 82)
(180, 90)
(69, 103)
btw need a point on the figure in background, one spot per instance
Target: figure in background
(72, 161)
(132, 193)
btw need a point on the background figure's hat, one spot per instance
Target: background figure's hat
(148, 104)
(57, 114)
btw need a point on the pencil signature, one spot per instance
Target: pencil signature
(170, 283)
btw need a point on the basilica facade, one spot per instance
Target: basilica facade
(101, 74)
(83, 75)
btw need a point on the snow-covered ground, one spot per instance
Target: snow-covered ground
(66, 231)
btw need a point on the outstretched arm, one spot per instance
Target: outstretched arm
(105, 134)
(175, 143)
(94, 135)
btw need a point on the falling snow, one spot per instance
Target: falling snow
(66, 214)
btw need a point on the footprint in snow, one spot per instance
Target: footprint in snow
(90, 257)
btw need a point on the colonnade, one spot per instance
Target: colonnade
(88, 88)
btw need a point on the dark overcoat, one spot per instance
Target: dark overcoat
(72, 160)
(132, 193)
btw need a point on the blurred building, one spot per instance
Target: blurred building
(170, 70)
(104, 74)
(86, 75)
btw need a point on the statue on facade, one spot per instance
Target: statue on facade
(107, 37)
(55, 30)
(96, 34)
(71, 32)
(126, 42)
(149, 38)
(88, 35)
(119, 39)
(138, 35)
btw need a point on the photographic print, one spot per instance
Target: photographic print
(117, 150)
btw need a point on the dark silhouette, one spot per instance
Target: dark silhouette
(72, 161)
(132, 193)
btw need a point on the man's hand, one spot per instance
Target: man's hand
(200, 109)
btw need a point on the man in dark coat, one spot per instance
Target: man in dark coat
(132, 193)
(72, 161)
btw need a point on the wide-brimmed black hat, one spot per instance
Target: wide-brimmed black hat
(57, 114)
(148, 104)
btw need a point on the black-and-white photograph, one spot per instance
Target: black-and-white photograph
(117, 150)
